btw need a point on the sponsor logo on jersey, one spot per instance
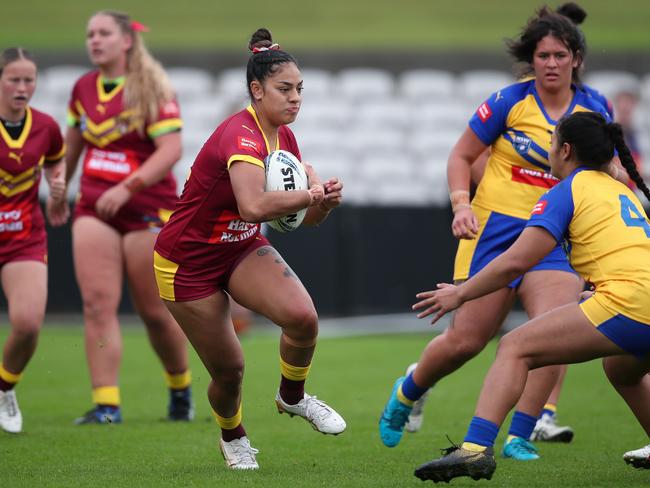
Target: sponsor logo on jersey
(533, 177)
(237, 230)
(484, 112)
(539, 207)
(522, 144)
(112, 162)
(248, 129)
(498, 96)
(246, 143)
(11, 221)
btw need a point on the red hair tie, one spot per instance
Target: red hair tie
(272, 47)
(139, 27)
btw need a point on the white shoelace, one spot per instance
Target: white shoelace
(245, 452)
(10, 401)
(315, 408)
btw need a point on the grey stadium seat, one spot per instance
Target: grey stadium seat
(231, 83)
(426, 84)
(360, 83)
(317, 83)
(191, 84)
(395, 113)
(476, 86)
(609, 83)
(57, 82)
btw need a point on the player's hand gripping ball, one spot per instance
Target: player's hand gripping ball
(285, 173)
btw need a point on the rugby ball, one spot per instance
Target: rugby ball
(285, 173)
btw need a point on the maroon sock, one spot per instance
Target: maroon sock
(231, 434)
(291, 391)
(4, 386)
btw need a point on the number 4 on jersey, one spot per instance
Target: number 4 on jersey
(632, 216)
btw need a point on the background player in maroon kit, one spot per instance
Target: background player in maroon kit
(212, 246)
(30, 143)
(126, 118)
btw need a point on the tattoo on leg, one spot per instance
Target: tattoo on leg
(287, 272)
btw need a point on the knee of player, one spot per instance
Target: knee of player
(507, 345)
(466, 347)
(510, 347)
(26, 325)
(230, 374)
(97, 307)
(301, 322)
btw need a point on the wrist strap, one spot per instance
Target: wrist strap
(459, 200)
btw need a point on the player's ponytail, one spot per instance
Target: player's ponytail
(147, 87)
(615, 132)
(265, 57)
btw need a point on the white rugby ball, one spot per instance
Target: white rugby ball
(285, 173)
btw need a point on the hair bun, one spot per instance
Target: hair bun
(261, 38)
(573, 11)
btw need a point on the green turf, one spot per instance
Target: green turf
(374, 24)
(353, 374)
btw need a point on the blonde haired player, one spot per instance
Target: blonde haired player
(125, 117)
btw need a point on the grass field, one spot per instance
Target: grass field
(354, 374)
(335, 24)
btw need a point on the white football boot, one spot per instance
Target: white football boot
(547, 430)
(239, 454)
(322, 417)
(416, 417)
(11, 420)
(639, 458)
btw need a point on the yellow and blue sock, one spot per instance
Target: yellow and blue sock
(409, 392)
(480, 435)
(522, 425)
(549, 409)
(8, 380)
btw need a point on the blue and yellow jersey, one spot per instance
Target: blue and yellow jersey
(608, 237)
(599, 97)
(515, 124)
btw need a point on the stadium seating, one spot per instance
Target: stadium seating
(426, 84)
(609, 83)
(386, 136)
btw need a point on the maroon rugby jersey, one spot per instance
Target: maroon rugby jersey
(206, 215)
(21, 164)
(114, 147)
